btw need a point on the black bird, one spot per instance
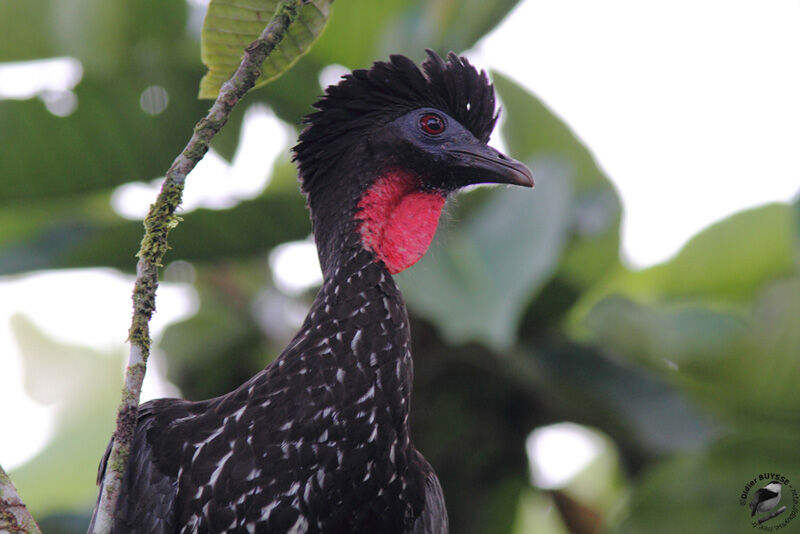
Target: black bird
(319, 441)
(766, 498)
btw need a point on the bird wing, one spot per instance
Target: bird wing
(433, 519)
(148, 493)
(759, 496)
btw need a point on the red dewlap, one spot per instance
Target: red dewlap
(398, 219)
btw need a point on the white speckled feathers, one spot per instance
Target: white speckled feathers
(317, 442)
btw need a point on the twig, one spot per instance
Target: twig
(14, 515)
(777, 512)
(160, 220)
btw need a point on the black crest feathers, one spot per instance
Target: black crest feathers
(370, 97)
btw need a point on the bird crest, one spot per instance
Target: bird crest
(367, 98)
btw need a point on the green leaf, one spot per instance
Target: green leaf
(230, 27)
(641, 410)
(458, 26)
(119, 38)
(475, 281)
(28, 220)
(442, 25)
(667, 336)
(403, 27)
(738, 362)
(531, 130)
(729, 259)
(743, 367)
(354, 37)
(725, 264)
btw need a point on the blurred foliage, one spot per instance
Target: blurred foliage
(522, 313)
(83, 387)
(229, 28)
(484, 273)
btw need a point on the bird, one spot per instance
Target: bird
(319, 441)
(766, 498)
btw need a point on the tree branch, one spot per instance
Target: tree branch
(14, 515)
(159, 221)
(777, 512)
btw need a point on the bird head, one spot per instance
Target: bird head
(388, 145)
(774, 486)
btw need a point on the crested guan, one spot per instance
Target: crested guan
(319, 441)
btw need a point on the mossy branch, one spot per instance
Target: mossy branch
(159, 221)
(14, 515)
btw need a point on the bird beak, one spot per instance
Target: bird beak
(482, 164)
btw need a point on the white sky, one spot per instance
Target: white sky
(691, 107)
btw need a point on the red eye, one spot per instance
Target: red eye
(432, 123)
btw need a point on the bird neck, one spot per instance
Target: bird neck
(394, 218)
(398, 218)
(358, 329)
(363, 237)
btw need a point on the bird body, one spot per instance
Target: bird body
(766, 498)
(319, 441)
(340, 392)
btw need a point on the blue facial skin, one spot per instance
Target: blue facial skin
(452, 158)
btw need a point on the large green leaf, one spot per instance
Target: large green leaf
(230, 26)
(476, 280)
(744, 367)
(457, 25)
(666, 337)
(27, 220)
(641, 410)
(725, 264)
(730, 259)
(721, 321)
(362, 31)
(530, 130)
(354, 36)
(571, 232)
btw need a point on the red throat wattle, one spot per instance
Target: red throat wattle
(398, 219)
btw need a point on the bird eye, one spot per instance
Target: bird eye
(432, 123)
